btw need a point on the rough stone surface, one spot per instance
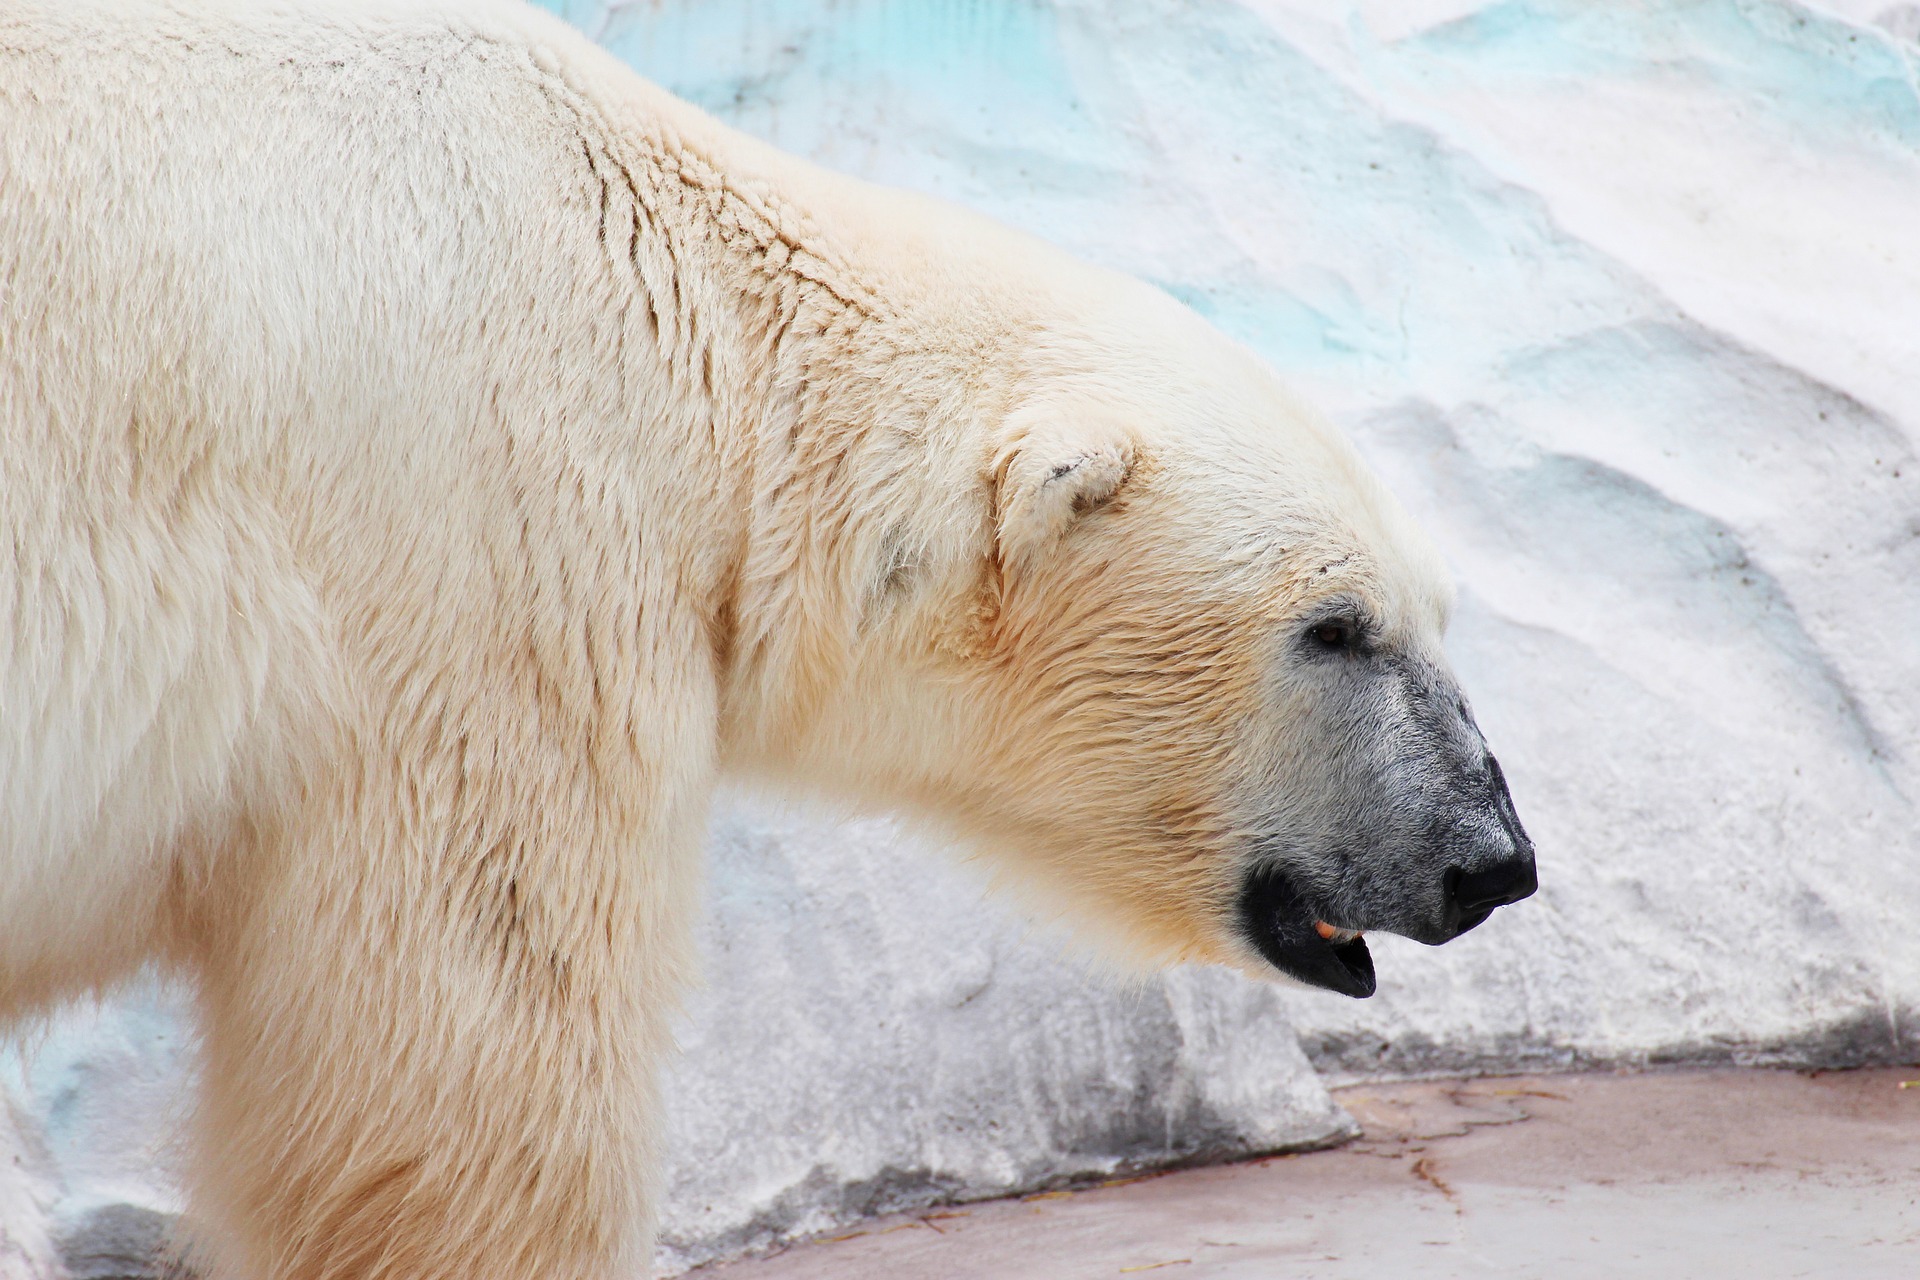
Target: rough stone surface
(117, 1242)
(1764, 1175)
(1624, 300)
(874, 1037)
(27, 1193)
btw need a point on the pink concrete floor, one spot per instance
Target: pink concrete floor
(1744, 1174)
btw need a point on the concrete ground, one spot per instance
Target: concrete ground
(1759, 1175)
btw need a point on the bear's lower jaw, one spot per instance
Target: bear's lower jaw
(1346, 967)
(1294, 941)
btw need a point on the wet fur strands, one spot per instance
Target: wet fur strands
(433, 456)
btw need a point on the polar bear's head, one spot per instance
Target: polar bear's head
(1188, 673)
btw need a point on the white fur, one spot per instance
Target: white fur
(432, 455)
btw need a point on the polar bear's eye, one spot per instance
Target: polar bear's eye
(1334, 634)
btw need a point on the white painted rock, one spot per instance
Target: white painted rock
(27, 1247)
(874, 1036)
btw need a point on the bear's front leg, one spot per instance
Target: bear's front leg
(432, 1026)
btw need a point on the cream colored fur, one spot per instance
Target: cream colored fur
(432, 455)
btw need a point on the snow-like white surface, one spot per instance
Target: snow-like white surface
(1625, 302)
(872, 1034)
(27, 1248)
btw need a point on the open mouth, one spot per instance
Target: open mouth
(1296, 941)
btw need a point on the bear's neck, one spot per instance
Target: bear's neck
(849, 401)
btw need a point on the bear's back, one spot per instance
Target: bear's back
(242, 188)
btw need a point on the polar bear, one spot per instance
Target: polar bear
(433, 456)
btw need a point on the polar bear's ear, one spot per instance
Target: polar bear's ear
(1052, 476)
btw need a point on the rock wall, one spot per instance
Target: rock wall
(874, 1036)
(1624, 301)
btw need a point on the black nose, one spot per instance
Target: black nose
(1496, 886)
(1472, 895)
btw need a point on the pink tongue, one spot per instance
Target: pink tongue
(1324, 929)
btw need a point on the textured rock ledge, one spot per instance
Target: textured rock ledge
(874, 1036)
